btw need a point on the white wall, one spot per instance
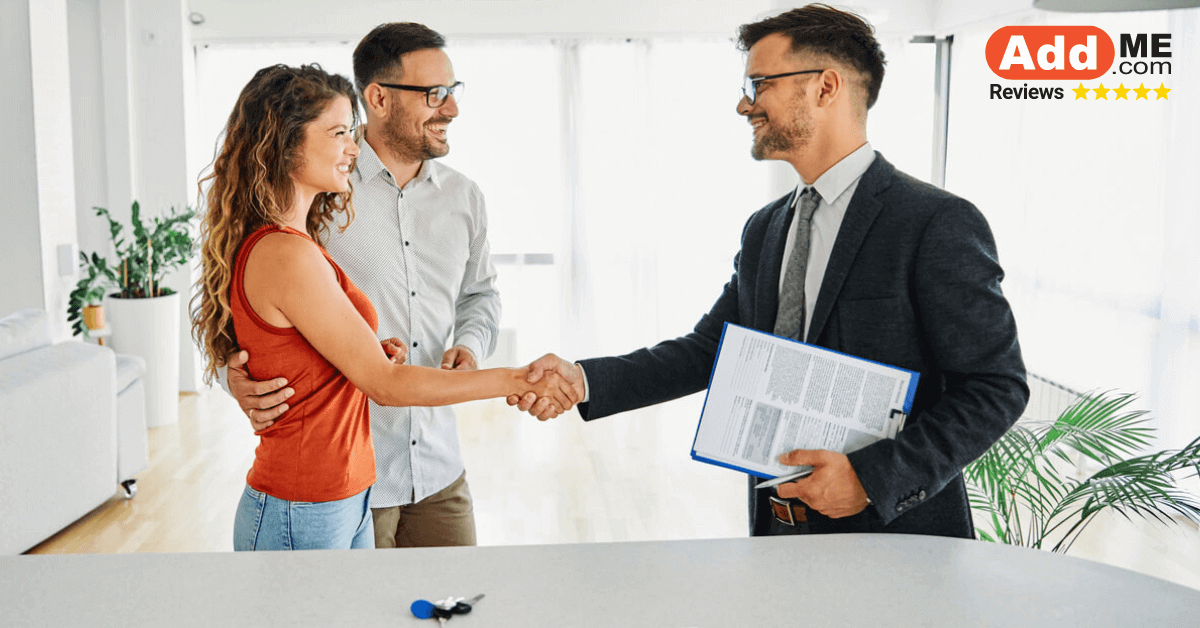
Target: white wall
(55, 156)
(37, 160)
(160, 54)
(951, 15)
(88, 123)
(20, 239)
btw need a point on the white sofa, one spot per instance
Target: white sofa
(61, 438)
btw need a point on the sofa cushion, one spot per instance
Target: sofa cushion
(24, 331)
(129, 369)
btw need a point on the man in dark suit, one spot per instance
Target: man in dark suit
(862, 259)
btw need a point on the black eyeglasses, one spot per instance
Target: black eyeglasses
(434, 96)
(750, 87)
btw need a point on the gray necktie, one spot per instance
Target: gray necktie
(789, 318)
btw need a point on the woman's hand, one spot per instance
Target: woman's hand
(396, 350)
(561, 393)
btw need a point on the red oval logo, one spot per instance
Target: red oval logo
(1050, 52)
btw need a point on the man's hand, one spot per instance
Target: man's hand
(263, 402)
(542, 408)
(833, 488)
(459, 358)
(395, 349)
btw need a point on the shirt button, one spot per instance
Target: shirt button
(921, 495)
(414, 442)
(414, 343)
(414, 293)
(406, 243)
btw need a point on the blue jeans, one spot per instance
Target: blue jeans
(264, 522)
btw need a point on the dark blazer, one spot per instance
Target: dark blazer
(913, 281)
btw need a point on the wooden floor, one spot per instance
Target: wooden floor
(623, 478)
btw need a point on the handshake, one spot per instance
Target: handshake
(546, 388)
(555, 386)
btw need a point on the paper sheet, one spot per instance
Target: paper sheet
(769, 395)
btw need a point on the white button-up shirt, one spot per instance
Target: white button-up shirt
(421, 255)
(835, 187)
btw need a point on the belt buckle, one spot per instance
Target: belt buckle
(778, 505)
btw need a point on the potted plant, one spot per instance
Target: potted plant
(1025, 483)
(84, 309)
(143, 313)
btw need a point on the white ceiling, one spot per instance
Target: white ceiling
(348, 20)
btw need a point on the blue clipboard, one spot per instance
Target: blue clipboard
(906, 407)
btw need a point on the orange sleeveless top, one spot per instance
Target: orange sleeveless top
(320, 449)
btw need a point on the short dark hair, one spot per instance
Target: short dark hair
(379, 52)
(822, 29)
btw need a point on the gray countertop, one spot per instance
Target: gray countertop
(806, 581)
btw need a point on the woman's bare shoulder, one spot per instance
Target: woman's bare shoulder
(285, 257)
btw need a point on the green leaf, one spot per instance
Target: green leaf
(1024, 484)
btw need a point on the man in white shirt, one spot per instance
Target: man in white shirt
(418, 249)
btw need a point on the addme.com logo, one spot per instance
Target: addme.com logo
(1077, 54)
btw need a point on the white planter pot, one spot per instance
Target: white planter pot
(149, 329)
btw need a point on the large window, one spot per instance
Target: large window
(1093, 204)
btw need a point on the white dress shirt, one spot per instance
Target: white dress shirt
(421, 255)
(835, 187)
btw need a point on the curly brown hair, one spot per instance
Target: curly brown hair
(251, 186)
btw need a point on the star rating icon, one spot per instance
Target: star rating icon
(1121, 92)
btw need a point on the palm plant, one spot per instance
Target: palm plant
(1024, 483)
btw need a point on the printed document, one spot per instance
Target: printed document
(769, 395)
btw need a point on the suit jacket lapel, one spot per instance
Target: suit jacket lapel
(864, 208)
(769, 263)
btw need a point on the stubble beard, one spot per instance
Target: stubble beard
(408, 147)
(784, 138)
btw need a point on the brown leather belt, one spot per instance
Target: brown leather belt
(789, 512)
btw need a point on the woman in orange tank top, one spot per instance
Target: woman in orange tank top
(280, 180)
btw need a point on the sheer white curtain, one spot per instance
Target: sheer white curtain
(617, 179)
(665, 185)
(1094, 207)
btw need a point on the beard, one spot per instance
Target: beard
(791, 134)
(409, 146)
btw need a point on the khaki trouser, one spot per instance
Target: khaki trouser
(440, 520)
